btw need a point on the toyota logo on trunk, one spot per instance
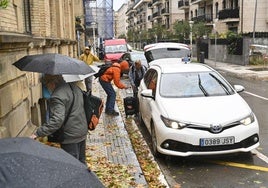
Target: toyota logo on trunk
(215, 128)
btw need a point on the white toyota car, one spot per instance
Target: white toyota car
(190, 109)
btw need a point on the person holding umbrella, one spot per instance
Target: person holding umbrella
(88, 58)
(66, 99)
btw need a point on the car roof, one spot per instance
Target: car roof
(174, 65)
(165, 45)
(136, 52)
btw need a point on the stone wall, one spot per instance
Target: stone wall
(51, 30)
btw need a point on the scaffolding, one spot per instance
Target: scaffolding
(99, 21)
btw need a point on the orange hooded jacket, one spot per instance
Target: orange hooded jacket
(113, 73)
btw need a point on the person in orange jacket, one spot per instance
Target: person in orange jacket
(112, 74)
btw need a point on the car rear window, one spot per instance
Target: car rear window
(166, 53)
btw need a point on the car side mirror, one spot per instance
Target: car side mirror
(239, 88)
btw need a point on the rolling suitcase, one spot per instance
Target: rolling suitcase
(130, 105)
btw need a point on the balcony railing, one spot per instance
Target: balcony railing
(156, 14)
(203, 18)
(165, 11)
(183, 3)
(228, 13)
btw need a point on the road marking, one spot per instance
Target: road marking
(260, 155)
(240, 165)
(264, 98)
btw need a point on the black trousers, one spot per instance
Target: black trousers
(78, 150)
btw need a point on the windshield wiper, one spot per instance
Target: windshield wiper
(221, 84)
(201, 86)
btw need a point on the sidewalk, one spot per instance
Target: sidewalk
(111, 141)
(245, 72)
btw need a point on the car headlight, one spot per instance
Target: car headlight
(173, 123)
(248, 120)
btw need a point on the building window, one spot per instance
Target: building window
(223, 4)
(27, 16)
(216, 10)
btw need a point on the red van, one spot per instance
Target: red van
(114, 49)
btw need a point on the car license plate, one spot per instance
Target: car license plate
(217, 141)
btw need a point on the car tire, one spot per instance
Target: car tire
(154, 143)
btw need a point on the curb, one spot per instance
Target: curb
(161, 176)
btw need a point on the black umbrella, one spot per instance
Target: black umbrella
(52, 63)
(26, 163)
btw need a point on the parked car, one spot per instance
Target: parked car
(167, 50)
(190, 109)
(132, 56)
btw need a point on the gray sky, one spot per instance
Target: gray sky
(118, 4)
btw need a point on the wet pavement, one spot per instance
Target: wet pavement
(110, 139)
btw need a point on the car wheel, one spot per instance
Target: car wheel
(154, 143)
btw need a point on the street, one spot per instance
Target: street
(236, 170)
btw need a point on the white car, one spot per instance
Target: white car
(167, 50)
(190, 109)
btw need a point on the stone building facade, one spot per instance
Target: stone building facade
(30, 27)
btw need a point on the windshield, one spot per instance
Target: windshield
(116, 49)
(138, 56)
(167, 53)
(194, 84)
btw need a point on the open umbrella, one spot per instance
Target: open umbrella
(53, 63)
(78, 77)
(28, 163)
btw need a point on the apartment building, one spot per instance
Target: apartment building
(240, 16)
(145, 14)
(120, 21)
(30, 27)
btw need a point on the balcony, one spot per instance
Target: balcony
(203, 18)
(156, 2)
(229, 14)
(183, 4)
(196, 1)
(164, 11)
(156, 14)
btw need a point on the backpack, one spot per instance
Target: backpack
(102, 69)
(93, 108)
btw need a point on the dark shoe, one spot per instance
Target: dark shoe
(112, 113)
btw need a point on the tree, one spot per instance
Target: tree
(4, 3)
(200, 29)
(181, 30)
(122, 36)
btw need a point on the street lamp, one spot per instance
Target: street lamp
(94, 42)
(140, 38)
(191, 35)
(215, 32)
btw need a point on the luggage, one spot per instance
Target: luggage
(130, 105)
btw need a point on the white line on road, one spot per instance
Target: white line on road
(264, 98)
(260, 155)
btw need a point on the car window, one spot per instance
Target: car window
(167, 53)
(150, 80)
(193, 84)
(137, 56)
